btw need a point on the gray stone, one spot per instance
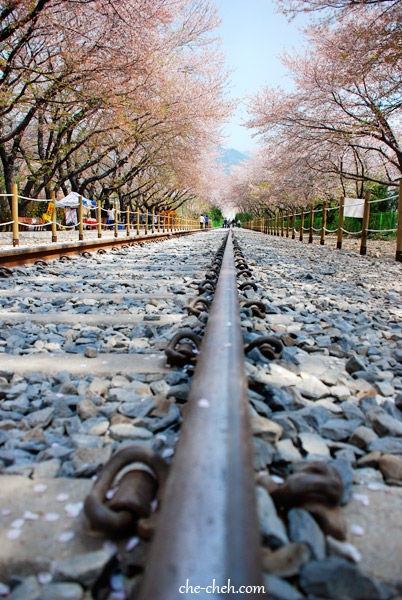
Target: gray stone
(313, 444)
(126, 431)
(47, 469)
(383, 424)
(87, 409)
(272, 528)
(278, 589)
(84, 568)
(346, 473)
(285, 561)
(29, 589)
(338, 429)
(362, 437)
(90, 352)
(62, 591)
(263, 453)
(139, 408)
(286, 451)
(40, 418)
(385, 388)
(303, 528)
(354, 364)
(338, 579)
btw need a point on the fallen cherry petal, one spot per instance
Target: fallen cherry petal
(277, 479)
(361, 498)
(73, 509)
(18, 523)
(66, 536)
(13, 534)
(5, 512)
(167, 452)
(374, 486)
(110, 493)
(356, 530)
(117, 582)
(203, 403)
(110, 546)
(52, 517)
(44, 578)
(132, 543)
(4, 590)
(30, 516)
(62, 497)
(40, 487)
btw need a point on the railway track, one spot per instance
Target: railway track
(84, 376)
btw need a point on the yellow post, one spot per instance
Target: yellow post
(116, 220)
(80, 220)
(310, 234)
(398, 254)
(99, 219)
(128, 221)
(366, 216)
(324, 223)
(159, 223)
(153, 220)
(293, 224)
(301, 226)
(14, 214)
(340, 224)
(54, 226)
(146, 222)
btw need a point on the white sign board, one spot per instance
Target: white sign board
(353, 207)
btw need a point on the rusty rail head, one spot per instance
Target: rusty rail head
(207, 528)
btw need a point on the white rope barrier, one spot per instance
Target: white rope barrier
(34, 199)
(351, 232)
(381, 230)
(33, 225)
(6, 195)
(7, 223)
(330, 230)
(314, 229)
(333, 207)
(66, 226)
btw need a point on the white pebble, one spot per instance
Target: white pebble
(203, 403)
(277, 479)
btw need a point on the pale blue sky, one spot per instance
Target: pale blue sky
(253, 36)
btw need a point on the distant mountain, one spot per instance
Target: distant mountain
(230, 157)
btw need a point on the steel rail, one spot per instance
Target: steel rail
(19, 256)
(207, 532)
